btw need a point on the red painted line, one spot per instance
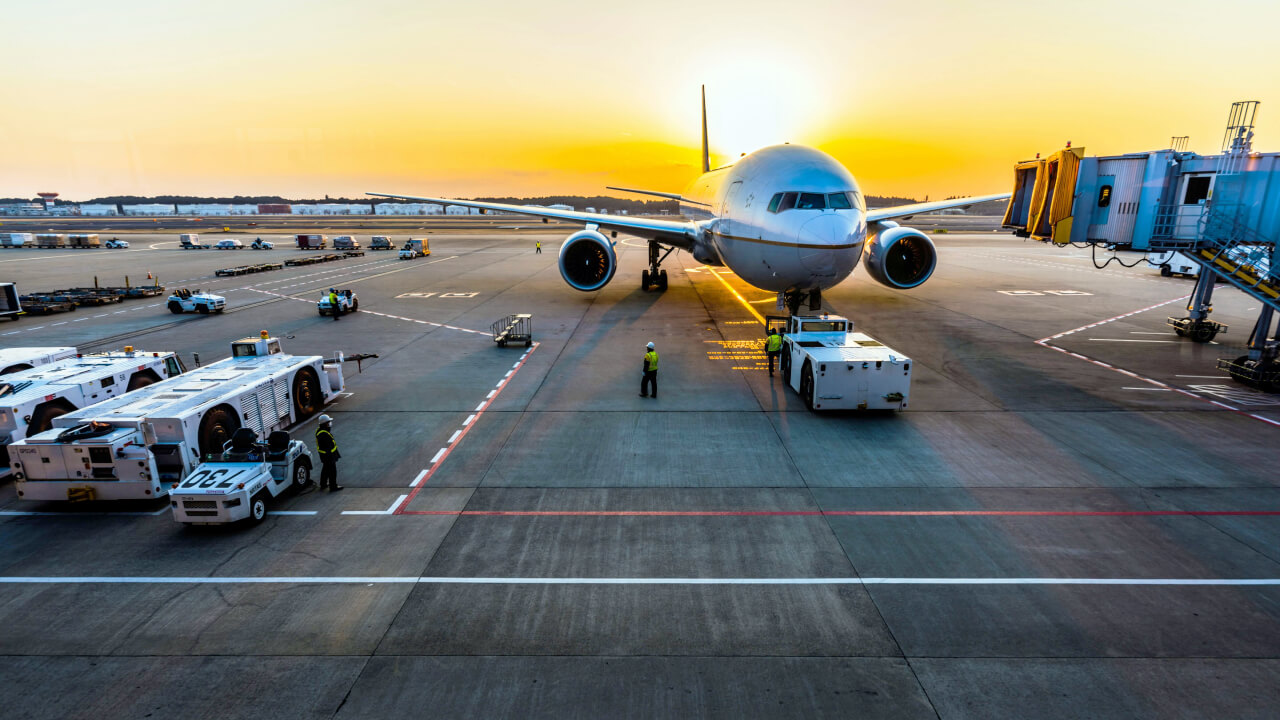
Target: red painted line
(448, 450)
(844, 513)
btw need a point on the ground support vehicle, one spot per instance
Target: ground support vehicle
(347, 303)
(236, 485)
(1173, 263)
(229, 244)
(191, 241)
(513, 329)
(17, 240)
(84, 240)
(346, 242)
(184, 301)
(312, 242)
(116, 243)
(380, 242)
(46, 304)
(261, 244)
(408, 252)
(24, 358)
(31, 399)
(51, 240)
(10, 305)
(137, 445)
(353, 253)
(419, 246)
(834, 368)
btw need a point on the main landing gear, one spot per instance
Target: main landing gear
(654, 277)
(795, 298)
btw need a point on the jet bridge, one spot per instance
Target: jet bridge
(1222, 211)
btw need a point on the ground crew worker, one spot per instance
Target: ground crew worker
(772, 346)
(539, 250)
(329, 455)
(333, 304)
(650, 377)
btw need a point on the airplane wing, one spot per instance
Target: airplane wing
(656, 193)
(679, 233)
(902, 211)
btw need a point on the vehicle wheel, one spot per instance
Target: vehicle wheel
(257, 508)
(1180, 332)
(1203, 333)
(806, 385)
(644, 280)
(502, 343)
(204, 309)
(784, 365)
(42, 417)
(528, 343)
(301, 476)
(307, 396)
(15, 368)
(142, 379)
(662, 280)
(355, 304)
(1166, 271)
(219, 310)
(216, 428)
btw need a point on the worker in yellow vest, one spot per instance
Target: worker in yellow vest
(650, 377)
(329, 456)
(538, 251)
(333, 304)
(772, 346)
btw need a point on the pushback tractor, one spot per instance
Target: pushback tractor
(24, 358)
(834, 368)
(137, 445)
(236, 484)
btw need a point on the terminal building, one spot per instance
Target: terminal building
(1221, 212)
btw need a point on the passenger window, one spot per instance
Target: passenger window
(811, 201)
(788, 201)
(839, 201)
(773, 203)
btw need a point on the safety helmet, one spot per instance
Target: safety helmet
(650, 346)
(324, 419)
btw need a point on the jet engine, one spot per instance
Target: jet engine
(587, 260)
(900, 257)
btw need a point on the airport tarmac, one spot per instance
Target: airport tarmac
(1076, 516)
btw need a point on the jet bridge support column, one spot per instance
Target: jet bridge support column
(1259, 368)
(1197, 324)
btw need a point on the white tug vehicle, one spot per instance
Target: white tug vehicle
(15, 359)
(236, 484)
(137, 445)
(834, 368)
(347, 302)
(185, 301)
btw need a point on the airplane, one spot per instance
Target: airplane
(786, 218)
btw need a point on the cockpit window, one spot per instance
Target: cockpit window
(811, 201)
(773, 202)
(839, 201)
(788, 201)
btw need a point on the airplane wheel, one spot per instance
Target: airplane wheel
(662, 280)
(644, 280)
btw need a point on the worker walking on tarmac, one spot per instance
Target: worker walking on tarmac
(333, 304)
(329, 455)
(650, 377)
(538, 251)
(772, 346)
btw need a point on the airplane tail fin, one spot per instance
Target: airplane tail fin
(706, 156)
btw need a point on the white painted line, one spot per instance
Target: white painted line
(1206, 377)
(421, 475)
(11, 332)
(1131, 340)
(401, 580)
(291, 512)
(1157, 389)
(480, 407)
(64, 322)
(491, 394)
(454, 436)
(1142, 332)
(388, 511)
(468, 420)
(34, 513)
(80, 320)
(508, 374)
(439, 454)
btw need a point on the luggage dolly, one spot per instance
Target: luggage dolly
(513, 329)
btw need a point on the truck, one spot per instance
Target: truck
(832, 367)
(84, 240)
(33, 398)
(347, 303)
(24, 358)
(191, 241)
(184, 301)
(236, 484)
(137, 445)
(16, 240)
(346, 242)
(10, 305)
(414, 248)
(380, 242)
(312, 242)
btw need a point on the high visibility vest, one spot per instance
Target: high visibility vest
(333, 299)
(324, 439)
(773, 343)
(651, 360)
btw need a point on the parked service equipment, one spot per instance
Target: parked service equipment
(84, 240)
(191, 241)
(260, 244)
(236, 484)
(229, 244)
(51, 240)
(10, 305)
(513, 329)
(184, 301)
(24, 358)
(834, 368)
(312, 242)
(380, 242)
(137, 445)
(17, 240)
(347, 303)
(1172, 262)
(45, 304)
(345, 242)
(116, 243)
(31, 399)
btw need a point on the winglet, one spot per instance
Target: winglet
(706, 156)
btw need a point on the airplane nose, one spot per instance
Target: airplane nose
(821, 240)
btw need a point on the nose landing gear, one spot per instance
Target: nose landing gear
(795, 298)
(655, 277)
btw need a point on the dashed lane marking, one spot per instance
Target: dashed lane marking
(426, 580)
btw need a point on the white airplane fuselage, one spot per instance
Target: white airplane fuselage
(809, 245)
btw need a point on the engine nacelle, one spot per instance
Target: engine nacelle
(900, 257)
(587, 260)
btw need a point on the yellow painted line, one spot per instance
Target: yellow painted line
(741, 299)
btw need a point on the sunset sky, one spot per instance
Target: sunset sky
(303, 99)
